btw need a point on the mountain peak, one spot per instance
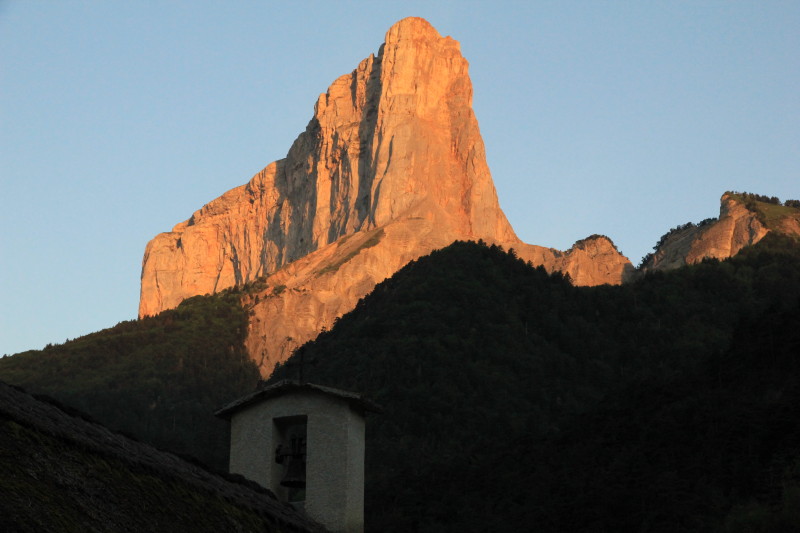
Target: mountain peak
(393, 139)
(390, 167)
(411, 28)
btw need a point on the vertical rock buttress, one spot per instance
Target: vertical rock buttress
(390, 167)
(395, 133)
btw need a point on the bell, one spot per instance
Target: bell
(295, 477)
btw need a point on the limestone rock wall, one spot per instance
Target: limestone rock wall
(390, 167)
(395, 133)
(736, 228)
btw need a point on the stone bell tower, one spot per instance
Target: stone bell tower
(305, 443)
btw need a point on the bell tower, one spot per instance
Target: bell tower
(305, 443)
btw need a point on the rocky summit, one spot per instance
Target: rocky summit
(390, 167)
(742, 221)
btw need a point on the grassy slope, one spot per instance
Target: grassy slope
(770, 214)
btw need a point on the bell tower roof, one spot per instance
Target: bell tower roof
(287, 386)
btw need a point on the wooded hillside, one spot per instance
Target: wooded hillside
(159, 379)
(512, 399)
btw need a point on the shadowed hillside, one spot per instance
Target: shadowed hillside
(512, 397)
(158, 378)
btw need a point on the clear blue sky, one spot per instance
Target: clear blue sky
(119, 119)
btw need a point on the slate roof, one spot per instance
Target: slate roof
(88, 437)
(286, 386)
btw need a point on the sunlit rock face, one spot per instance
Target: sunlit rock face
(736, 227)
(390, 167)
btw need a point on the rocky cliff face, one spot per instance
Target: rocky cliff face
(395, 137)
(737, 226)
(390, 167)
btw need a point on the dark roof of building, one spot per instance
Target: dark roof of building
(60, 468)
(287, 386)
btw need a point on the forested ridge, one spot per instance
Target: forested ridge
(513, 400)
(158, 379)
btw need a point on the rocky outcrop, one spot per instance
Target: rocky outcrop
(390, 167)
(594, 261)
(738, 225)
